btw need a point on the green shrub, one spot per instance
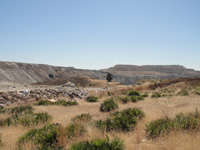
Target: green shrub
(134, 99)
(43, 102)
(158, 127)
(25, 120)
(145, 95)
(181, 122)
(23, 115)
(156, 95)
(2, 109)
(197, 92)
(99, 144)
(124, 120)
(35, 119)
(59, 102)
(43, 138)
(6, 122)
(91, 99)
(124, 100)
(140, 97)
(109, 94)
(75, 130)
(21, 109)
(66, 103)
(133, 93)
(183, 92)
(82, 118)
(108, 105)
(51, 75)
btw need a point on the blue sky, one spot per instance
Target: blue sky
(96, 34)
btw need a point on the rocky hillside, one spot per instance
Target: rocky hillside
(12, 73)
(23, 73)
(131, 73)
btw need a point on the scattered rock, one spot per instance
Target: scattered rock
(14, 97)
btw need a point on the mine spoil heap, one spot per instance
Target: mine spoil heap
(14, 97)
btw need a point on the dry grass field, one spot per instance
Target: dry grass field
(154, 108)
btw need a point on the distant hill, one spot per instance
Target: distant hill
(23, 73)
(132, 73)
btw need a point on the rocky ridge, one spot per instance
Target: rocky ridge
(12, 73)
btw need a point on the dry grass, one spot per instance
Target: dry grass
(137, 140)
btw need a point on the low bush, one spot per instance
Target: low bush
(75, 130)
(59, 102)
(26, 120)
(99, 144)
(183, 92)
(66, 103)
(108, 105)
(42, 102)
(134, 99)
(124, 120)
(82, 118)
(21, 109)
(91, 99)
(2, 109)
(133, 93)
(187, 122)
(140, 97)
(197, 91)
(42, 138)
(5, 122)
(145, 95)
(156, 95)
(23, 115)
(124, 100)
(34, 119)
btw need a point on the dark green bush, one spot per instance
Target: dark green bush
(134, 99)
(91, 99)
(124, 120)
(133, 93)
(82, 118)
(181, 122)
(109, 94)
(99, 144)
(108, 105)
(43, 138)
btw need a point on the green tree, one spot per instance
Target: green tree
(109, 77)
(51, 75)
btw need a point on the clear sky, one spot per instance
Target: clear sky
(97, 34)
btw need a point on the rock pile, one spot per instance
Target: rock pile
(14, 97)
